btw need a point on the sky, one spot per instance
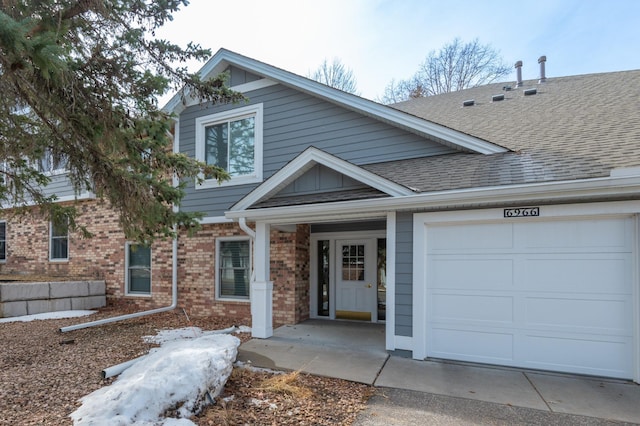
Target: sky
(382, 40)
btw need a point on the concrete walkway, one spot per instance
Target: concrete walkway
(446, 393)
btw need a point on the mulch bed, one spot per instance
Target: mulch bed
(45, 373)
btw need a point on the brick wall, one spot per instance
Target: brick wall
(103, 257)
(196, 273)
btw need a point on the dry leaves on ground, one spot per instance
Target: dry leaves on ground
(45, 373)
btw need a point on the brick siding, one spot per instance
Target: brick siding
(103, 257)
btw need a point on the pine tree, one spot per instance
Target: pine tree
(80, 82)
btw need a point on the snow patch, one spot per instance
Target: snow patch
(48, 316)
(181, 374)
(243, 329)
(164, 336)
(263, 403)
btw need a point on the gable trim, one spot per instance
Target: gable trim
(448, 136)
(304, 162)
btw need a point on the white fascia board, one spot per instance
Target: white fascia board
(212, 220)
(85, 195)
(305, 161)
(453, 137)
(560, 191)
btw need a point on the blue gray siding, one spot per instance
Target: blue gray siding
(294, 121)
(60, 186)
(404, 274)
(320, 179)
(239, 76)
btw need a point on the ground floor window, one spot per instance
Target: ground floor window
(138, 274)
(382, 279)
(3, 241)
(58, 241)
(233, 268)
(323, 278)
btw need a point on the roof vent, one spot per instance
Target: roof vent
(541, 61)
(496, 98)
(469, 102)
(529, 92)
(506, 88)
(518, 74)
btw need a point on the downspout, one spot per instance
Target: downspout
(243, 225)
(174, 275)
(172, 306)
(252, 234)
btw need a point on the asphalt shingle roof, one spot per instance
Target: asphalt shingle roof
(574, 128)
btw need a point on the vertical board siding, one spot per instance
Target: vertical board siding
(319, 179)
(404, 274)
(238, 76)
(293, 121)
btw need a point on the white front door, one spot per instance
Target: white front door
(356, 279)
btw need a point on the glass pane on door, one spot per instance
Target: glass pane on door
(353, 262)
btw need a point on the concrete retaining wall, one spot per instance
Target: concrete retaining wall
(18, 299)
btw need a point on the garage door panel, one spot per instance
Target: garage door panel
(490, 347)
(579, 315)
(611, 234)
(583, 354)
(470, 273)
(558, 296)
(472, 308)
(579, 274)
(470, 237)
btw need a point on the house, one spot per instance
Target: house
(496, 225)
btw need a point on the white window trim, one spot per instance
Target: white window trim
(6, 251)
(126, 272)
(238, 113)
(52, 172)
(60, 259)
(217, 274)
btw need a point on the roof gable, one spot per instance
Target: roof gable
(272, 75)
(371, 184)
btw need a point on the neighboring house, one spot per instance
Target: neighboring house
(504, 232)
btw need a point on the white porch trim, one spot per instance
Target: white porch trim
(261, 287)
(390, 326)
(564, 191)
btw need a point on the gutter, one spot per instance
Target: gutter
(557, 191)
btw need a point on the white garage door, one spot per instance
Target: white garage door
(535, 294)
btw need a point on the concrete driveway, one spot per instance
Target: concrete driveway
(446, 393)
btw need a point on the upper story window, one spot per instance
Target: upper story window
(3, 241)
(58, 241)
(232, 140)
(52, 164)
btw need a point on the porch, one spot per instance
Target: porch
(355, 351)
(348, 350)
